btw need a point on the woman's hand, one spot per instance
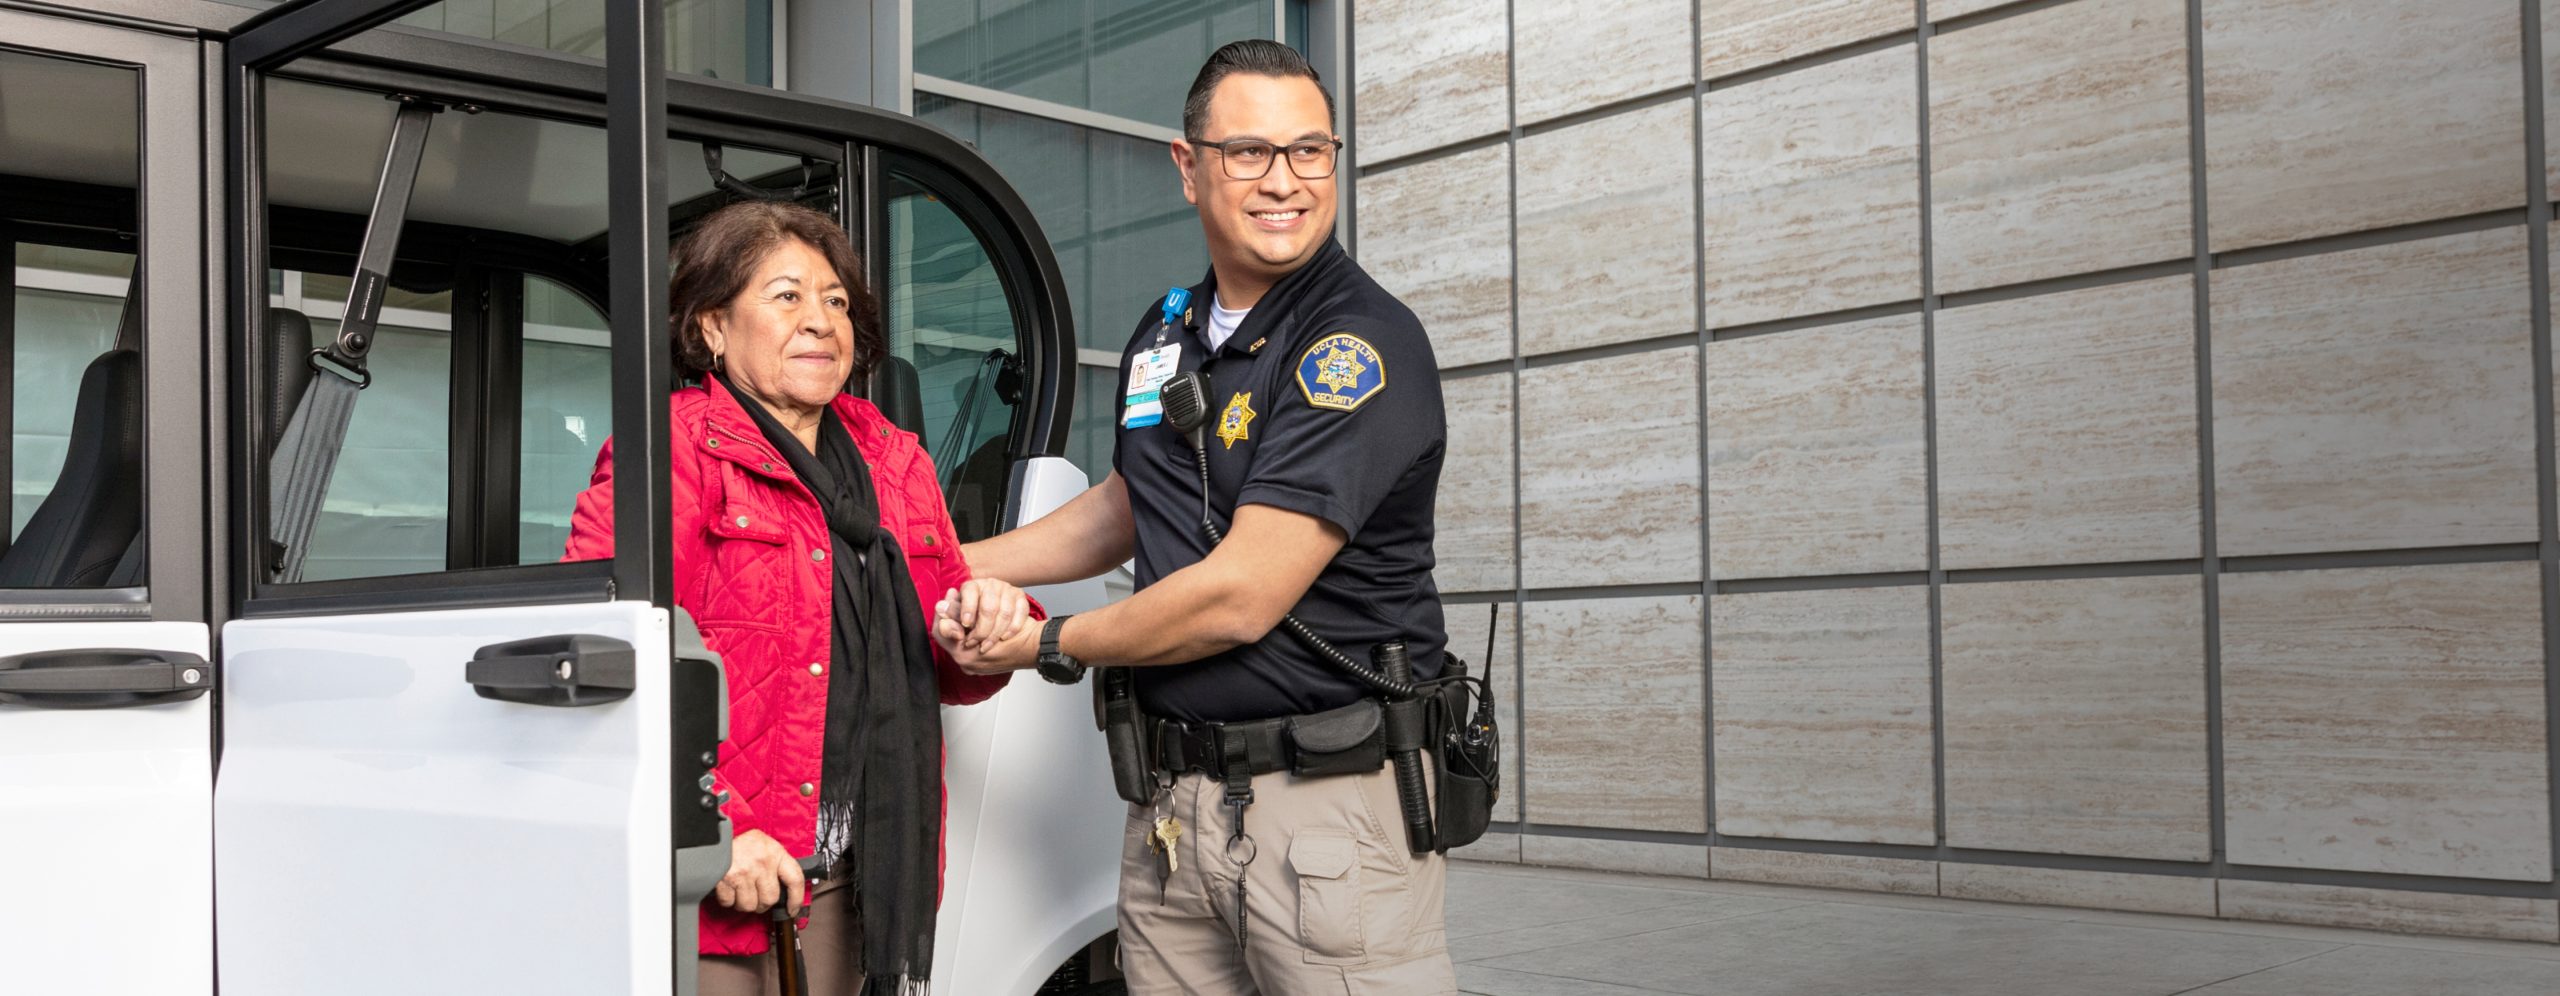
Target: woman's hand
(988, 611)
(996, 636)
(761, 873)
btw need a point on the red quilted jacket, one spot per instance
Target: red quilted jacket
(745, 529)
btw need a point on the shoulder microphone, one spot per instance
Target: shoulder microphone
(1186, 407)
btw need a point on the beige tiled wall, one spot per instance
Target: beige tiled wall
(1431, 72)
(1577, 56)
(1742, 35)
(1811, 188)
(1598, 671)
(2324, 116)
(2058, 143)
(1940, 10)
(1478, 511)
(1439, 236)
(2024, 528)
(2076, 717)
(2387, 719)
(1822, 728)
(1609, 489)
(1607, 248)
(2067, 428)
(2376, 397)
(1816, 452)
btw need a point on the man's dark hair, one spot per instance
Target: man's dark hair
(1258, 56)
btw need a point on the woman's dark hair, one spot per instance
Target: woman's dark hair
(1254, 56)
(714, 261)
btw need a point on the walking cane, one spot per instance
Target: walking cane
(794, 974)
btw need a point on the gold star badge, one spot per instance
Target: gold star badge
(1233, 425)
(1340, 369)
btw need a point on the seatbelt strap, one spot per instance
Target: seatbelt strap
(307, 455)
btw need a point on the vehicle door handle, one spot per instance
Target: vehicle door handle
(101, 678)
(573, 670)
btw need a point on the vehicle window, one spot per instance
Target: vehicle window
(387, 505)
(488, 394)
(566, 412)
(70, 386)
(68, 302)
(490, 391)
(946, 315)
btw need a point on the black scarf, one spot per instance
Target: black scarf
(880, 781)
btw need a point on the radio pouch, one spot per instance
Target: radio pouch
(1467, 749)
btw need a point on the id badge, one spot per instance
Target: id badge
(1148, 373)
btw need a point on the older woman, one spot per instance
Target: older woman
(811, 547)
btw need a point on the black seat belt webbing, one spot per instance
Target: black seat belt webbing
(307, 455)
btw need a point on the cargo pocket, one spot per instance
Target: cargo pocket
(1327, 863)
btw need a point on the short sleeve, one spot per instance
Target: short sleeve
(1349, 418)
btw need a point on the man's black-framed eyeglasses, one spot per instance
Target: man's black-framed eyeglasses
(1250, 158)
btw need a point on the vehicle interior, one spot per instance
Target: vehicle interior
(488, 396)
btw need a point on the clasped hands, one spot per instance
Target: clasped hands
(985, 625)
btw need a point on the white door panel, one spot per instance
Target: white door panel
(1034, 837)
(136, 786)
(387, 829)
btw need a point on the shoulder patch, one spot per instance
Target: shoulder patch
(1341, 372)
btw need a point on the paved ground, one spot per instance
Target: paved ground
(1519, 931)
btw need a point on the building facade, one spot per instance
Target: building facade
(2093, 452)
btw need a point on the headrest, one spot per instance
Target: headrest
(898, 395)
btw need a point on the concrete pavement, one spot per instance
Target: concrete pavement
(1525, 931)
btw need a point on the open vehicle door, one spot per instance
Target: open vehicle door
(447, 766)
(106, 733)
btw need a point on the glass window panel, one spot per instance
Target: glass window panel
(70, 140)
(946, 313)
(723, 39)
(68, 302)
(1111, 206)
(567, 412)
(1130, 58)
(526, 187)
(387, 506)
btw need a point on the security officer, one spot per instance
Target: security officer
(1324, 439)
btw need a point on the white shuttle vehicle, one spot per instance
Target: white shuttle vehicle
(430, 759)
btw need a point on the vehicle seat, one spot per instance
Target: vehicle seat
(898, 394)
(85, 527)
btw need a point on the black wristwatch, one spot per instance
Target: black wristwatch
(1055, 666)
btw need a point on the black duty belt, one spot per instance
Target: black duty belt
(1347, 740)
(1201, 747)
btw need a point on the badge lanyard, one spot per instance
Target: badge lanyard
(1144, 405)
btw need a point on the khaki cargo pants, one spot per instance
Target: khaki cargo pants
(1335, 903)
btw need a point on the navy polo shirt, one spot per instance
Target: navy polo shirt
(1326, 401)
